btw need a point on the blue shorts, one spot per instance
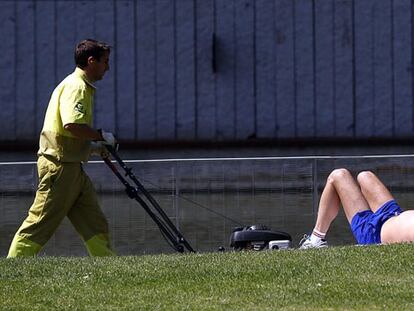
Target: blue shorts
(366, 225)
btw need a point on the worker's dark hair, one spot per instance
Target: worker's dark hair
(87, 48)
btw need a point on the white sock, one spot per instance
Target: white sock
(317, 236)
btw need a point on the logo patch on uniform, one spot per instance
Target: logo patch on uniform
(79, 107)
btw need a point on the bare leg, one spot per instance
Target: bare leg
(328, 206)
(340, 188)
(374, 191)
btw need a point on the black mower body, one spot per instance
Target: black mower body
(256, 237)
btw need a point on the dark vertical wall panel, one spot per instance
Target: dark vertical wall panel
(26, 70)
(185, 69)
(285, 68)
(383, 69)
(304, 72)
(165, 65)
(85, 19)
(124, 56)
(206, 110)
(265, 59)
(106, 93)
(324, 69)
(46, 59)
(146, 60)
(344, 92)
(245, 71)
(364, 70)
(8, 70)
(66, 38)
(217, 70)
(225, 53)
(403, 70)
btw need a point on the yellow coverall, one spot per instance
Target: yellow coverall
(64, 189)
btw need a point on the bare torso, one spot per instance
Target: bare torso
(399, 228)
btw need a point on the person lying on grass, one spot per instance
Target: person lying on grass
(371, 210)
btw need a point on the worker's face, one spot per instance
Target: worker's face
(97, 68)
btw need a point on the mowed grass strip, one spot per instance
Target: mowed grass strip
(349, 278)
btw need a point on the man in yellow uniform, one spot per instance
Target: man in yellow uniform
(65, 142)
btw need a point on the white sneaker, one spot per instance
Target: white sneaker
(306, 243)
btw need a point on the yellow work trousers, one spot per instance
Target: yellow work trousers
(64, 190)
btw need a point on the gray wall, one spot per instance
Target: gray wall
(276, 69)
(205, 199)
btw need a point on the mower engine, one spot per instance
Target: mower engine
(259, 237)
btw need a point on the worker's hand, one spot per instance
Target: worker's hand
(98, 149)
(108, 138)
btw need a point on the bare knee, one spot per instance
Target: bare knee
(337, 175)
(365, 177)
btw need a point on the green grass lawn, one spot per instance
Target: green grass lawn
(351, 278)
